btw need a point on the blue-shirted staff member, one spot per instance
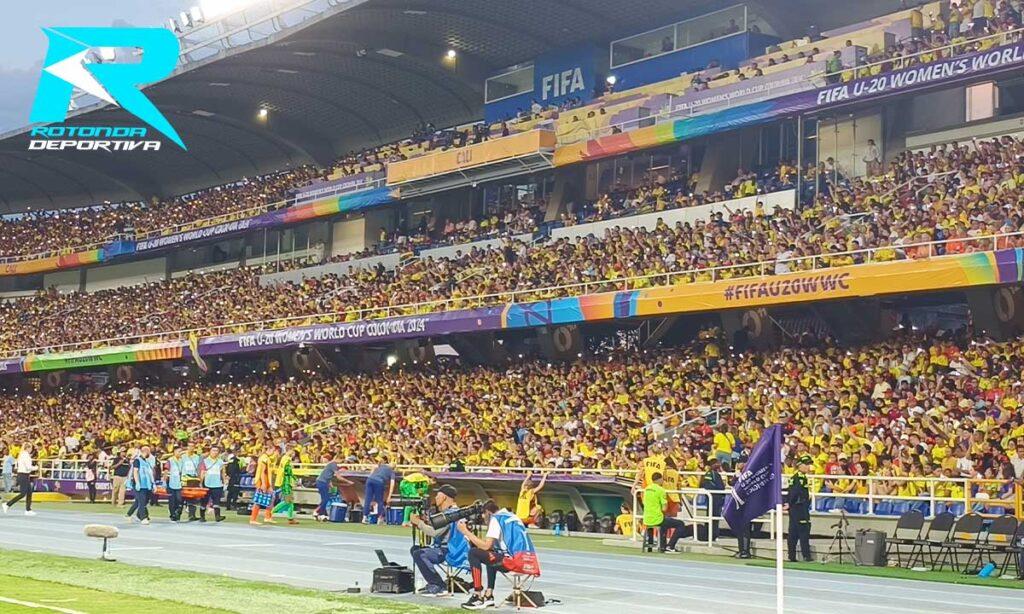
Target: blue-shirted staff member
(798, 504)
(175, 502)
(448, 545)
(379, 488)
(144, 482)
(211, 473)
(190, 476)
(329, 475)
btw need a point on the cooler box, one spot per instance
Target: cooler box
(337, 511)
(395, 515)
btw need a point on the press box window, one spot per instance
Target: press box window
(506, 85)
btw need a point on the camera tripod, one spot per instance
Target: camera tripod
(840, 544)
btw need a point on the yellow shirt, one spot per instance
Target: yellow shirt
(625, 524)
(651, 465)
(524, 503)
(724, 443)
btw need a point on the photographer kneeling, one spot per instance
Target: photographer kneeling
(449, 545)
(507, 547)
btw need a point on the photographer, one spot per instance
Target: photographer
(507, 547)
(448, 545)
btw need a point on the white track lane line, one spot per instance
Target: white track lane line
(39, 606)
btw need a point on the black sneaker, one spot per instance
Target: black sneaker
(479, 603)
(476, 602)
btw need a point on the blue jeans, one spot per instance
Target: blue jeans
(426, 560)
(142, 499)
(374, 493)
(324, 489)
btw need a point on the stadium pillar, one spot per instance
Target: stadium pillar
(480, 349)
(996, 311)
(761, 331)
(414, 351)
(560, 342)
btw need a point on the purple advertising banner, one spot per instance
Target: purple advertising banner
(12, 365)
(264, 220)
(390, 329)
(350, 182)
(751, 90)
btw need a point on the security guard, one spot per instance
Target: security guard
(798, 502)
(713, 481)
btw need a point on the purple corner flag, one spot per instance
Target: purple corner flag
(759, 487)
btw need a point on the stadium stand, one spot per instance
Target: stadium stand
(880, 45)
(954, 193)
(914, 406)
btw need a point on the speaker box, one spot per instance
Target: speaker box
(392, 580)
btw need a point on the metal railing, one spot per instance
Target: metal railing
(815, 262)
(696, 506)
(866, 490)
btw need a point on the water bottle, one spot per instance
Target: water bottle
(558, 530)
(987, 570)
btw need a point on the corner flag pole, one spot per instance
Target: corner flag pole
(778, 559)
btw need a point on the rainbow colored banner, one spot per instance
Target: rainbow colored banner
(866, 280)
(103, 357)
(354, 201)
(63, 261)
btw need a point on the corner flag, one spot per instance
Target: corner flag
(758, 489)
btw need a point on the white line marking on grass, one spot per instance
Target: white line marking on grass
(39, 606)
(246, 545)
(123, 548)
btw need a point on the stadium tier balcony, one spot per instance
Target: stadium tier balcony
(952, 200)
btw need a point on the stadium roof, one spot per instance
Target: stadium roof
(366, 73)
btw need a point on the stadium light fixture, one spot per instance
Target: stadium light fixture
(185, 20)
(451, 54)
(611, 80)
(391, 360)
(107, 54)
(262, 113)
(196, 14)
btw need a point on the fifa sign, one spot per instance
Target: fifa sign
(562, 83)
(119, 83)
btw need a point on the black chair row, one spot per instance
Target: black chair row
(947, 538)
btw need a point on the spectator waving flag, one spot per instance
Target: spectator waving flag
(758, 488)
(193, 347)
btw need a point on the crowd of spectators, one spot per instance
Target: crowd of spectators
(913, 406)
(969, 26)
(952, 193)
(56, 231)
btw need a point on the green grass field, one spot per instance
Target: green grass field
(62, 584)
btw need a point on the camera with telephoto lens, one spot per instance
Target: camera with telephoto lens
(444, 518)
(419, 503)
